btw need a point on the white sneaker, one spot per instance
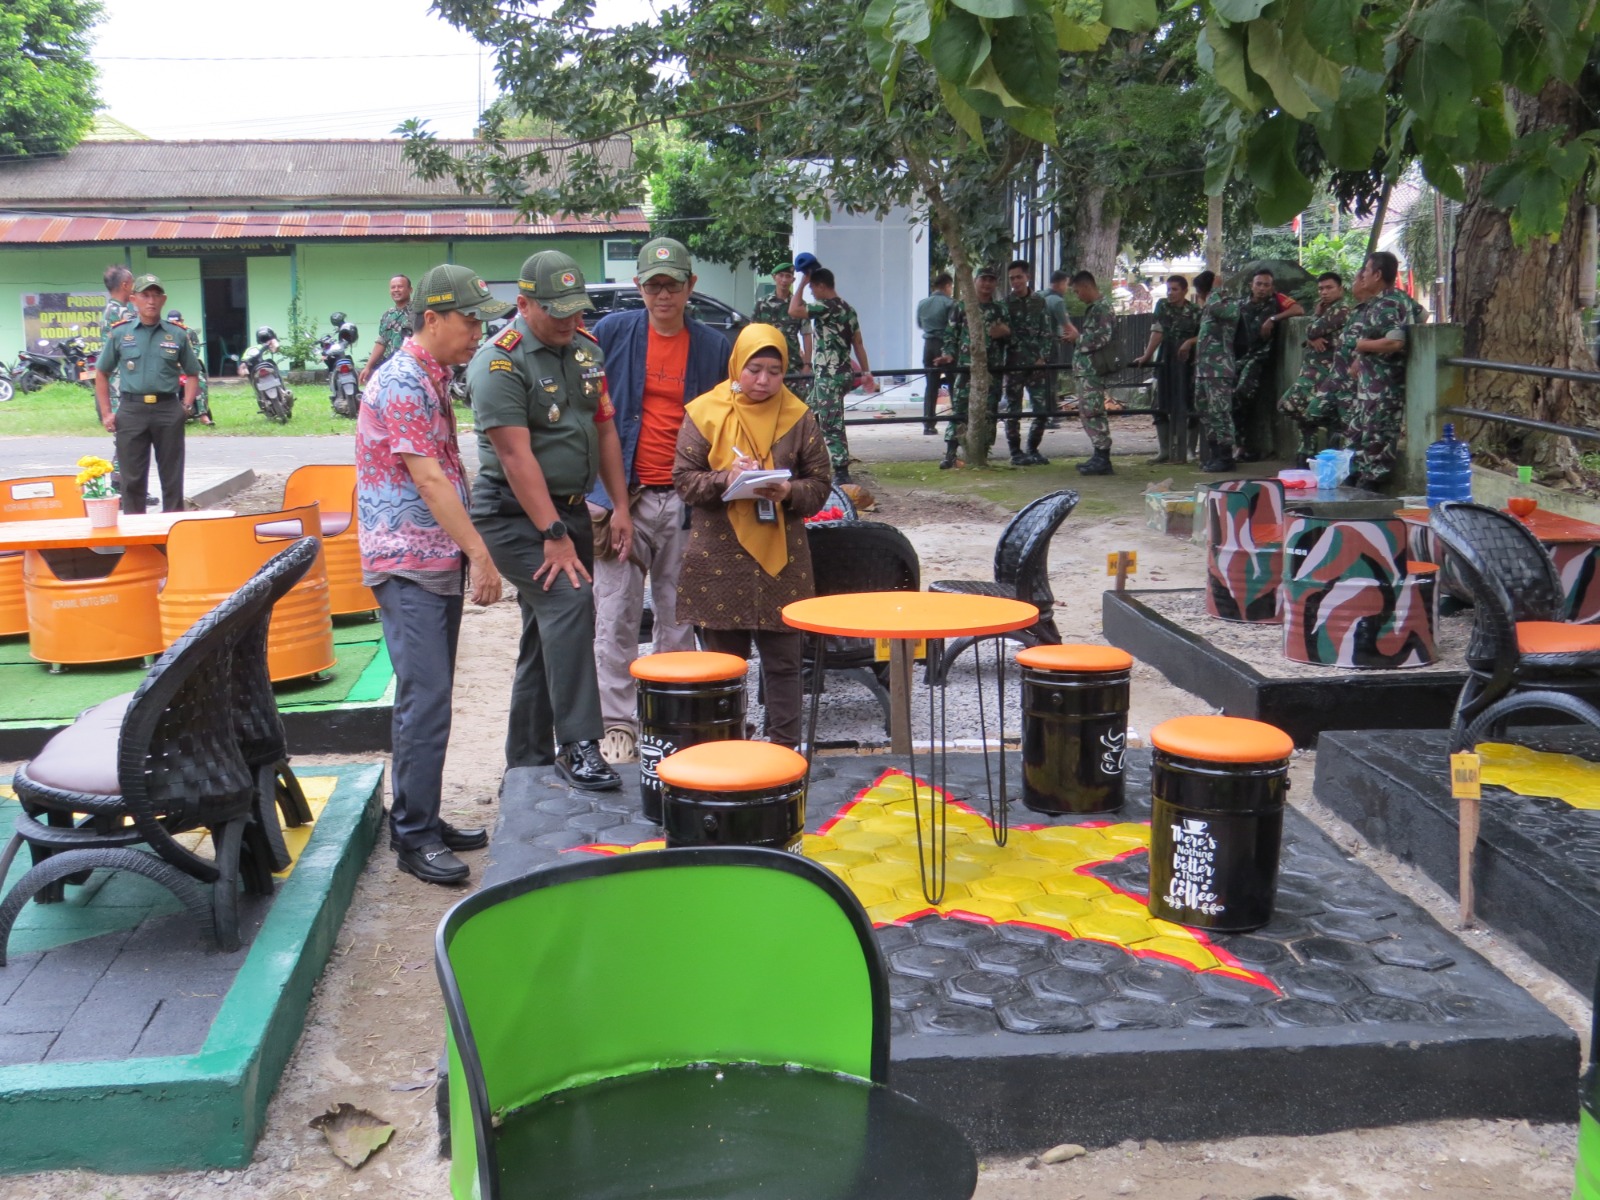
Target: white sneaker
(618, 745)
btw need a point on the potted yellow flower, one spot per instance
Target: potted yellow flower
(100, 499)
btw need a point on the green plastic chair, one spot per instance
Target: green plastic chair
(708, 1022)
(1586, 1186)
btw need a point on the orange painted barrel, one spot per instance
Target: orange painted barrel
(13, 602)
(30, 498)
(332, 487)
(210, 559)
(84, 606)
(346, 593)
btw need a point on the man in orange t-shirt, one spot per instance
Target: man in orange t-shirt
(657, 360)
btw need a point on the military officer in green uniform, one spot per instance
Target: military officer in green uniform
(1215, 373)
(394, 327)
(544, 432)
(1032, 344)
(774, 310)
(958, 351)
(202, 398)
(1312, 401)
(1374, 344)
(147, 356)
(1094, 332)
(837, 330)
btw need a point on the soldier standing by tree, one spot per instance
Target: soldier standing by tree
(774, 310)
(958, 351)
(1033, 333)
(933, 318)
(1312, 401)
(1375, 345)
(1172, 338)
(1092, 334)
(1215, 372)
(838, 331)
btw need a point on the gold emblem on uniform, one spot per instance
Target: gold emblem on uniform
(554, 413)
(583, 356)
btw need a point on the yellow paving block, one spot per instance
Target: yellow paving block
(863, 841)
(1067, 853)
(1123, 930)
(870, 894)
(995, 910)
(966, 872)
(889, 874)
(1196, 954)
(974, 850)
(1009, 888)
(837, 858)
(893, 911)
(894, 824)
(953, 892)
(1063, 909)
(1117, 904)
(1036, 869)
(1070, 883)
(905, 851)
(1126, 836)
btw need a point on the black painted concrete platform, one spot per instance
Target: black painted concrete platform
(1537, 877)
(1303, 707)
(1043, 1006)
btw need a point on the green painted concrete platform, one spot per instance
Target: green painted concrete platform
(347, 713)
(203, 1109)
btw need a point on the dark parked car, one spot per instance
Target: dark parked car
(619, 297)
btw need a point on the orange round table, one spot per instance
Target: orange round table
(905, 618)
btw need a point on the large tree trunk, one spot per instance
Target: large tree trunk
(1099, 236)
(1522, 306)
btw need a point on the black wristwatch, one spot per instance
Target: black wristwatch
(557, 531)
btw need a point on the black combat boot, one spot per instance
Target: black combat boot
(1163, 444)
(1219, 459)
(949, 459)
(1035, 459)
(1099, 463)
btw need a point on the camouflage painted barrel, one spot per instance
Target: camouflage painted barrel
(734, 793)
(1350, 599)
(1074, 727)
(1217, 788)
(1244, 549)
(685, 698)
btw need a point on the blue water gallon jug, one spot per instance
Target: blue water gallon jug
(1449, 469)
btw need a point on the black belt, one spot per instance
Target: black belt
(150, 397)
(657, 487)
(568, 501)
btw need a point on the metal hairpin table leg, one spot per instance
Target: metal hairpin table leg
(1002, 818)
(819, 669)
(931, 861)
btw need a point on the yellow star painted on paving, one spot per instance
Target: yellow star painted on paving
(1042, 877)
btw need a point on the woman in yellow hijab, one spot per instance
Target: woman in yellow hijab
(746, 559)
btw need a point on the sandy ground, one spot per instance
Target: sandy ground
(375, 1025)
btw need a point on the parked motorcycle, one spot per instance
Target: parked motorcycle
(344, 394)
(67, 363)
(7, 388)
(273, 396)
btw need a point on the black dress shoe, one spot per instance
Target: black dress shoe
(580, 765)
(433, 863)
(462, 839)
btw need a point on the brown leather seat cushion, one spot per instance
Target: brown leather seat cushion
(83, 756)
(333, 524)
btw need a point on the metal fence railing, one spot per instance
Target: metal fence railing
(1576, 432)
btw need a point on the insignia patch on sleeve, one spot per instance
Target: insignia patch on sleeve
(501, 364)
(508, 340)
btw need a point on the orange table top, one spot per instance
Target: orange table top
(909, 615)
(1545, 525)
(67, 533)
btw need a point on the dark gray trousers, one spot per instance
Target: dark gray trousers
(555, 690)
(141, 427)
(782, 651)
(421, 631)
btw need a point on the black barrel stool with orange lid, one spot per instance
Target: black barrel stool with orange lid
(1074, 727)
(734, 793)
(685, 697)
(1217, 789)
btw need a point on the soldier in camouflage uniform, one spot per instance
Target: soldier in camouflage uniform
(1177, 321)
(1215, 373)
(1255, 341)
(774, 310)
(1032, 343)
(1312, 401)
(393, 327)
(837, 330)
(958, 351)
(1374, 343)
(1094, 331)
(202, 396)
(119, 307)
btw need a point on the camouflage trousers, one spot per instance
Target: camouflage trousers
(1312, 406)
(1039, 403)
(827, 402)
(1214, 400)
(1372, 430)
(1092, 411)
(956, 430)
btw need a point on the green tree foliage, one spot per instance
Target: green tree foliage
(1343, 253)
(687, 197)
(47, 97)
(790, 89)
(1310, 86)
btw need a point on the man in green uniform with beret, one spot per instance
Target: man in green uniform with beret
(147, 356)
(774, 310)
(545, 431)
